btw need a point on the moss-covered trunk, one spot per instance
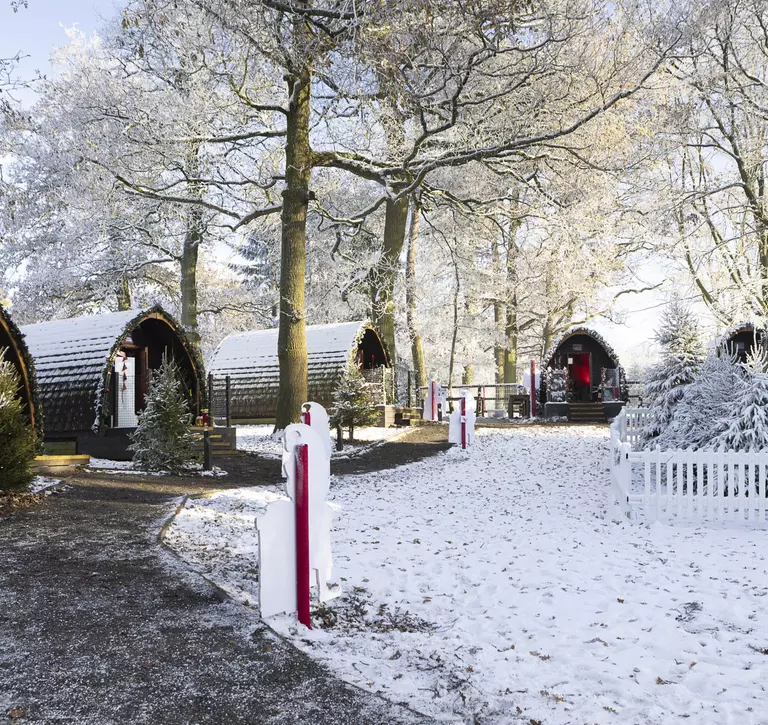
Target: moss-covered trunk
(417, 347)
(511, 330)
(292, 338)
(123, 294)
(384, 275)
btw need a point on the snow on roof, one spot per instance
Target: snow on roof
(257, 349)
(549, 355)
(72, 358)
(250, 359)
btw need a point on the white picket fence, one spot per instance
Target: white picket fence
(683, 484)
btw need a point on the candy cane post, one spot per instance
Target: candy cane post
(435, 396)
(316, 417)
(533, 388)
(301, 506)
(461, 429)
(295, 529)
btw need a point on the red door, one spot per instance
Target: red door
(579, 372)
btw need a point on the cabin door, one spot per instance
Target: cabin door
(125, 394)
(580, 376)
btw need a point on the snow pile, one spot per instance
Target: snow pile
(259, 439)
(42, 483)
(489, 587)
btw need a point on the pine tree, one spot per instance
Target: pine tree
(17, 440)
(164, 440)
(707, 404)
(353, 404)
(747, 426)
(680, 340)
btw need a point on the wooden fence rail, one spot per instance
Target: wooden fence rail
(692, 485)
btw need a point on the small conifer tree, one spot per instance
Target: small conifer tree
(17, 440)
(680, 340)
(353, 403)
(164, 440)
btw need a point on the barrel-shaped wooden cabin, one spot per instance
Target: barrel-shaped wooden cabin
(14, 349)
(582, 377)
(93, 374)
(249, 359)
(741, 341)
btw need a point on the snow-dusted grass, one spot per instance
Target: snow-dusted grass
(534, 606)
(259, 439)
(128, 468)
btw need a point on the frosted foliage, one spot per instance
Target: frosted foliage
(705, 406)
(353, 404)
(665, 382)
(164, 440)
(748, 426)
(17, 445)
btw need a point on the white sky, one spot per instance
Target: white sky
(35, 31)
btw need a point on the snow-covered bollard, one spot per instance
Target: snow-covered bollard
(316, 417)
(434, 401)
(295, 532)
(461, 429)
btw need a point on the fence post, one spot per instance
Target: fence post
(301, 499)
(210, 399)
(533, 388)
(207, 462)
(464, 423)
(228, 381)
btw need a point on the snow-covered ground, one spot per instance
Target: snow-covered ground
(259, 439)
(517, 600)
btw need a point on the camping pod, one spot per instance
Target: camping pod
(582, 378)
(249, 359)
(741, 341)
(93, 374)
(14, 349)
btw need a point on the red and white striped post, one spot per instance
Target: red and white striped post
(533, 388)
(434, 400)
(301, 501)
(306, 417)
(464, 423)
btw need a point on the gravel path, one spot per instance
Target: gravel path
(100, 624)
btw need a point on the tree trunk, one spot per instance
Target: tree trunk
(455, 335)
(190, 252)
(417, 348)
(292, 338)
(499, 317)
(384, 276)
(511, 331)
(188, 281)
(123, 293)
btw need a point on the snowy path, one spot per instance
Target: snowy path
(544, 610)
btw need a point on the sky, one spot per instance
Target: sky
(36, 30)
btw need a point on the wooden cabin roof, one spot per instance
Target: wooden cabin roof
(73, 358)
(574, 332)
(250, 359)
(19, 355)
(253, 354)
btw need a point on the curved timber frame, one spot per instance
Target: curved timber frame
(18, 355)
